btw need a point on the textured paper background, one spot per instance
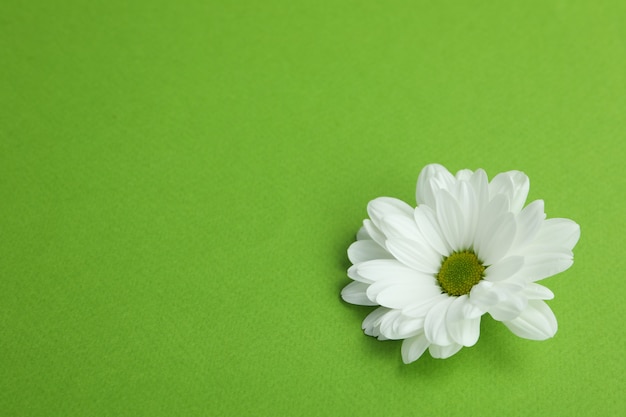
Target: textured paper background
(179, 184)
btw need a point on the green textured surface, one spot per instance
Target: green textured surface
(179, 184)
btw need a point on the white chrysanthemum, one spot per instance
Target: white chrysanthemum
(469, 248)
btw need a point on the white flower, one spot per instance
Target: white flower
(469, 248)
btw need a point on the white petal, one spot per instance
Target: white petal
(399, 293)
(387, 206)
(514, 185)
(451, 220)
(374, 232)
(435, 323)
(362, 234)
(421, 308)
(395, 326)
(494, 210)
(534, 291)
(537, 322)
(496, 238)
(504, 268)
(366, 250)
(529, 223)
(414, 347)
(463, 330)
(471, 310)
(509, 306)
(561, 233)
(400, 226)
(468, 204)
(381, 269)
(426, 221)
(355, 293)
(432, 178)
(464, 175)
(408, 327)
(481, 188)
(372, 321)
(443, 352)
(484, 295)
(415, 254)
(537, 267)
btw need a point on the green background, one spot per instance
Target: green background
(179, 182)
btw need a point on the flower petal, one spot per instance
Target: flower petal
(494, 238)
(534, 291)
(414, 347)
(427, 224)
(537, 322)
(444, 352)
(561, 233)
(435, 323)
(414, 254)
(451, 220)
(481, 188)
(374, 232)
(537, 267)
(399, 293)
(355, 293)
(367, 250)
(400, 226)
(514, 185)
(381, 269)
(529, 222)
(504, 268)
(432, 178)
(484, 295)
(422, 307)
(395, 326)
(462, 330)
(509, 306)
(386, 206)
(371, 323)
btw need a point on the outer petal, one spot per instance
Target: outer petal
(401, 293)
(367, 250)
(387, 206)
(495, 238)
(537, 267)
(484, 295)
(514, 185)
(382, 269)
(451, 220)
(529, 222)
(394, 225)
(537, 322)
(414, 347)
(355, 293)
(463, 330)
(481, 187)
(433, 177)
(504, 269)
(426, 221)
(511, 305)
(414, 254)
(537, 292)
(435, 324)
(374, 232)
(444, 352)
(558, 233)
(371, 324)
(421, 307)
(395, 326)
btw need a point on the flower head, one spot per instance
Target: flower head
(470, 247)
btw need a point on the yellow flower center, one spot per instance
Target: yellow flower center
(459, 272)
